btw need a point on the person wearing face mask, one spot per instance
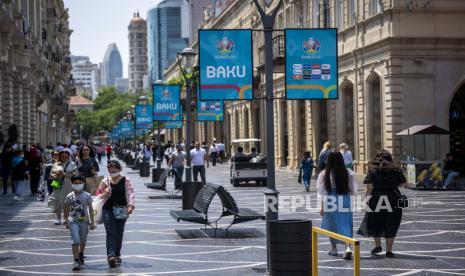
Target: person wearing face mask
(79, 218)
(62, 171)
(118, 193)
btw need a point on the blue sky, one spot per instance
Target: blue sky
(97, 23)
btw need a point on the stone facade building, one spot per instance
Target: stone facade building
(137, 53)
(401, 63)
(35, 80)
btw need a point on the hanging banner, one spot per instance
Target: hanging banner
(225, 64)
(126, 128)
(144, 116)
(311, 64)
(166, 103)
(173, 124)
(210, 110)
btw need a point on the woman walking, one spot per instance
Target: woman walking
(383, 181)
(61, 173)
(348, 158)
(88, 168)
(19, 174)
(306, 170)
(48, 170)
(323, 157)
(336, 185)
(118, 193)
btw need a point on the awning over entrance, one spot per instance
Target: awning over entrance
(424, 130)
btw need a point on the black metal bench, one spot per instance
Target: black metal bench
(199, 213)
(230, 208)
(161, 185)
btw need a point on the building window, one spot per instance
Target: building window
(375, 7)
(352, 13)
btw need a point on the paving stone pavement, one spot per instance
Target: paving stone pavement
(431, 240)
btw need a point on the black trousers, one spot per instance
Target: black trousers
(201, 170)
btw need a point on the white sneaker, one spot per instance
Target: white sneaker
(444, 187)
(17, 198)
(57, 222)
(348, 254)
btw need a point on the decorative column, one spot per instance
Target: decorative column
(392, 107)
(292, 136)
(362, 131)
(18, 107)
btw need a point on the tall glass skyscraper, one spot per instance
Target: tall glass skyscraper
(168, 32)
(112, 65)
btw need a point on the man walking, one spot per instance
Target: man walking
(198, 159)
(177, 162)
(221, 154)
(214, 153)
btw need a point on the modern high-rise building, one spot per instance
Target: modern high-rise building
(137, 53)
(197, 8)
(85, 74)
(112, 65)
(168, 32)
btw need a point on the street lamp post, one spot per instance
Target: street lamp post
(186, 60)
(159, 155)
(271, 194)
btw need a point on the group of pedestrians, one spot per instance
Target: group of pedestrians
(70, 175)
(337, 187)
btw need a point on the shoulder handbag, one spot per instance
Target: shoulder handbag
(120, 212)
(402, 200)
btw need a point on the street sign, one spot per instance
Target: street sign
(210, 110)
(166, 103)
(144, 116)
(311, 64)
(225, 64)
(173, 125)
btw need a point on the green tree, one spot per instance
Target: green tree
(110, 107)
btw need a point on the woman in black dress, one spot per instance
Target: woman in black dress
(384, 216)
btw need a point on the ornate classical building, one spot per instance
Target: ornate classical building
(401, 63)
(35, 80)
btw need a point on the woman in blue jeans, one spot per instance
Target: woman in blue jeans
(118, 192)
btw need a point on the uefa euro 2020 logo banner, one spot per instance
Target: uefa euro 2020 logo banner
(311, 45)
(225, 46)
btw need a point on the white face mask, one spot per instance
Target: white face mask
(116, 174)
(78, 187)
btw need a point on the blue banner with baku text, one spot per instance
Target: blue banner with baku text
(166, 103)
(144, 116)
(210, 110)
(126, 128)
(226, 65)
(311, 64)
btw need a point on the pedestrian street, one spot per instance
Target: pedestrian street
(431, 239)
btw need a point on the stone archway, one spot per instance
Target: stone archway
(457, 121)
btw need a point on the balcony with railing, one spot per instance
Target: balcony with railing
(279, 54)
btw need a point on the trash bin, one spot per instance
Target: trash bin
(290, 247)
(156, 173)
(144, 170)
(189, 191)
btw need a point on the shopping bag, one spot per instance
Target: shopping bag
(97, 205)
(56, 184)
